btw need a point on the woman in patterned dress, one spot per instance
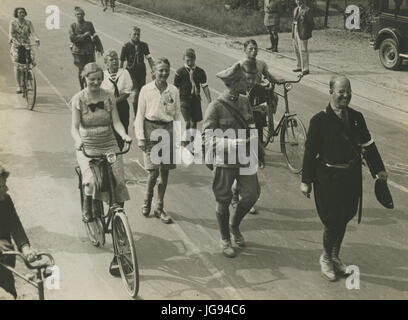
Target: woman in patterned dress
(21, 30)
(93, 114)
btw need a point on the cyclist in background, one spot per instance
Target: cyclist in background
(21, 30)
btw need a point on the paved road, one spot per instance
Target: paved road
(183, 260)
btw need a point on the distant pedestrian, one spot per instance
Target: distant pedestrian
(188, 80)
(273, 12)
(134, 53)
(302, 28)
(332, 164)
(119, 83)
(85, 42)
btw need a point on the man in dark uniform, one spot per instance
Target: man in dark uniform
(219, 115)
(332, 163)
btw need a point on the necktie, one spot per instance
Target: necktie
(194, 89)
(93, 106)
(115, 84)
(297, 13)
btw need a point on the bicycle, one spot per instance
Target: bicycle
(290, 128)
(115, 222)
(29, 83)
(105, 4)
(36, 280)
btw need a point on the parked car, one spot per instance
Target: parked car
(390, 33)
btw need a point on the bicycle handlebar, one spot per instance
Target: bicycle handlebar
(30, 265)
(126, 150)
(300, 76)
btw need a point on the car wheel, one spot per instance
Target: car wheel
(389, 54)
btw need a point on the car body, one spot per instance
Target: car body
(390, 33)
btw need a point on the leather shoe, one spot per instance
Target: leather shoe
(227, 249)
(146, 207)
(163, 216)
(238, 237)
(114, 268)
(297, 70)
(327, 269)
(339, 267)
(305, 72)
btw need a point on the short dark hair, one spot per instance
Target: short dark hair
(250, 41)
(16, 11)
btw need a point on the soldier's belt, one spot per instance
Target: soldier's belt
(347, 165)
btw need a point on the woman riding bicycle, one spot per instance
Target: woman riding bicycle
(93, 114)
(21, 30)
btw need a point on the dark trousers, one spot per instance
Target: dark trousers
(273, 36)
(138, 83)
(81, 61)
(7, 281)
(332, 239)
(249, 190)
(123, 111)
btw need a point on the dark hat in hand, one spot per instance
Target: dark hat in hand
(383, 194)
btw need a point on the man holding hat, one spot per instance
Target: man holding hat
(230, 112)
(332, 163)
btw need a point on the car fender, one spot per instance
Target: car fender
(388, 33)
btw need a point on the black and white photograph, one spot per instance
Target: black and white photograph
(214, 152)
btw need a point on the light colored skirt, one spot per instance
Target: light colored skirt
(102, 145)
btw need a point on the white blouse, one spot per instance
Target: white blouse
(157, 107)
(124, 83)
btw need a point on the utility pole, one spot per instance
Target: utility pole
(326, 17)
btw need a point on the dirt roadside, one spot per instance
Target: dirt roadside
(333, 50)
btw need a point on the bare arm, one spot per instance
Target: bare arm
(33, 32)
(207, 93)
(76, 120)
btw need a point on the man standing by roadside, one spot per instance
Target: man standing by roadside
(332, 162)
(273, 11)
(302, 28)
(230, 112)
(134, 52)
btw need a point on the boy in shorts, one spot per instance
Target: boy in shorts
(188, 79)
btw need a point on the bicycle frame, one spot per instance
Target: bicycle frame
(39, 283)
(286, 88)
(113, 204)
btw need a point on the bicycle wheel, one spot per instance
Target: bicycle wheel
(94, 229)
(293, 138)
(125, 252)
(31, 89)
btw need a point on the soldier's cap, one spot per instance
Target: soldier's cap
(230, 74)
(383, 194)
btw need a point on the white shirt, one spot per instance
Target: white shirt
(157, 107)
(124, 83)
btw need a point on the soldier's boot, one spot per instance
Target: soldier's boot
(147, 205)
(227, 249)
(238, 237)
(275, 45)
(327, 268)
(339, 267)
(87, 209)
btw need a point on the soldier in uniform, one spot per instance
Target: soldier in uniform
(332, 163)
(219, 116)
